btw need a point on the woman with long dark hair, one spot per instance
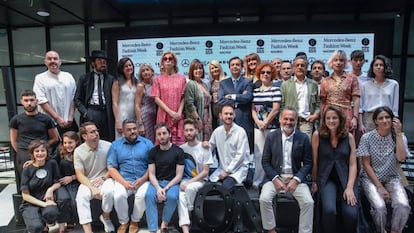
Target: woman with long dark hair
(381, 150)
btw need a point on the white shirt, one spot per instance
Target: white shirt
(95, 96)
(233, 150)
(374, 95)
(303, 102)
(57, 90)
(201, 156)
(287, 142)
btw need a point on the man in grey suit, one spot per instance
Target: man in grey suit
(287, 159)
(93, 97)
(238, 92)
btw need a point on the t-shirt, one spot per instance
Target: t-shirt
(202, 156)
(31, 127)
(92, 162)
(165, 161)
(38, 179)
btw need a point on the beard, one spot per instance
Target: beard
(30, 108)
(288, 130)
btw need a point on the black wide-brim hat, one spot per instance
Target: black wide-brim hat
(98, 54)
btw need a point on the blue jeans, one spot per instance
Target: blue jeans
(169, 205)
(328, 197)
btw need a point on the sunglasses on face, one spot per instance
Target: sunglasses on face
(168, 59)
(265, 72)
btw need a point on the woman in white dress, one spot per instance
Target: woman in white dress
(123, 94)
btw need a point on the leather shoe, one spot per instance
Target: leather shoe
(133, 227)
(122, 228)
(164, 230)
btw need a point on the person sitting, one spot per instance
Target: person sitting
(381, 149)
(44, 201)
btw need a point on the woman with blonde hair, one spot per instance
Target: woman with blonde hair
(168, 91)
(145, 107)
(216, 74)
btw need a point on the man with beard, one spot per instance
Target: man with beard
(93, 97)
(190, 185)
(287, 159)
(28, 126)
(128, 165)
(89, 160)
(55, 90)
(233, 150)
(166, 168)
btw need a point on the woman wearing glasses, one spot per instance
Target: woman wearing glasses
(168, 91)
(266, 103)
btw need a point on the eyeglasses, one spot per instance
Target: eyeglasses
(168, 59)
(265, 72)
(93, 131)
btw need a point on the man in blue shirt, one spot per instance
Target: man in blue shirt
(128, 165)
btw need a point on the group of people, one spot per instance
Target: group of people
(138, 133)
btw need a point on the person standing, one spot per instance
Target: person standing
(92, 174)
(123, 94)
(287, 159)
(28, 126)
(232, 146)
(190, 185)
(238, 92)
(341, 90)
(166, 168)
(145, 107)
(265, 108)
(55, 90)
(301, 93)
(168, 91)
(93, 97)
(128, 165)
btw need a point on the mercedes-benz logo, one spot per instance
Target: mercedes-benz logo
(185, 62)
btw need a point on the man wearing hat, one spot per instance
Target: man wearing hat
(93, 97)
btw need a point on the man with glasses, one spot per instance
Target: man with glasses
(92, 174)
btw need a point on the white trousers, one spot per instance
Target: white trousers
(84, 197)
(259, 141)
(121, 195)
(302, 195)
(186, 201)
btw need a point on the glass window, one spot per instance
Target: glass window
(4, 128)
(396, 65)
(25, 78)
(409, 80)
(408, 124)
(75, 69)
(411, 35)
(4, 48)
(32, 53)
(69, 42)
(398, 29)
(95, 34)
(2, 90)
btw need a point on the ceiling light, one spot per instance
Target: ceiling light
(43, 13)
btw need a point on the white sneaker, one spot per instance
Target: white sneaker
(108, 226)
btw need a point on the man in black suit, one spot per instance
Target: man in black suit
(93, 97)
(238, 92)
(287, 159)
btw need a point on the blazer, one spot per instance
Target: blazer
(290, 96)
(301, 156)
(84, 91)
(243, 102)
